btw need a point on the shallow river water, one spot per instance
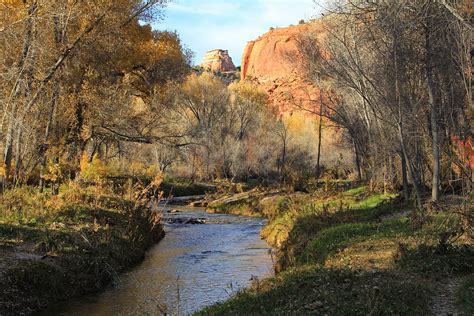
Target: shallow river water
(195, 265)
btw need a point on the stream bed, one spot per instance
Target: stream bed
(204, 258)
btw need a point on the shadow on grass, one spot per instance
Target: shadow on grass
(311, 290)
(427, 259)
(12, 231)
(465, 295)
(84, 214)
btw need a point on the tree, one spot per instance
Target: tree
(69, 50)
(388, 65)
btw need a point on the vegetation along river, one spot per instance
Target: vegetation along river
(204, 258)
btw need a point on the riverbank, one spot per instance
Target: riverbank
(357, 252)
(194, 266)
(54, 247)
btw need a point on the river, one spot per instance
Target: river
(195, 265)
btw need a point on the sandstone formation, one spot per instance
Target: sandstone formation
(218, 60)
(272, 61)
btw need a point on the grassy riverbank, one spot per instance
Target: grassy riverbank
(356, 252)
(53, 247)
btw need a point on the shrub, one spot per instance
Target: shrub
(23, 204)
(94, 170)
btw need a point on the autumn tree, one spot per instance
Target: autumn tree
(78, 71)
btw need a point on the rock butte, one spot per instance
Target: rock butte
(218, 60)
(271, 62)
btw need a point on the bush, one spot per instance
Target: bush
(23, 204)
(94, 170)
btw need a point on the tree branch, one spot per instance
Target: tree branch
(455, 14)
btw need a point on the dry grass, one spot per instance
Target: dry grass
(367, 255)
(76, 242)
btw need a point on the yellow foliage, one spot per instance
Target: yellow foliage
(245, 90)
(11, 2)
(298, 123)
(152, 171)
(11, 12)
(84, 163)
(157, 180)
(3, 170)
(54, 172)
(136, 168)
(95, 170)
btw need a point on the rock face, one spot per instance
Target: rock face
(272, 61)
(218, 60)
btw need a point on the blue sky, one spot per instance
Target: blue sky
(229, 24)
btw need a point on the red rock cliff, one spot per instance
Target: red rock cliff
(272, 61)
(218, 60)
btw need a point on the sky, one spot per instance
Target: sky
(204, 25)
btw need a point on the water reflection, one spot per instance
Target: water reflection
(193, 266)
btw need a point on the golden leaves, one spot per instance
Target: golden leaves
(3, 170)
(94, 170)
(54, 172)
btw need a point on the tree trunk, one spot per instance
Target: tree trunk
(8, 147)
(406, 191)
(7, 156)
(433, 116)
(404, 155)
(58, 38)
(416, 183)
(18, 160)
(320, 130)
(49, 125)
(357, 161)
(283, 158)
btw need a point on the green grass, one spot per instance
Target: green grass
(356, 191)
(336, 238)
(11, 234)
(304, 224)
(310, 290)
